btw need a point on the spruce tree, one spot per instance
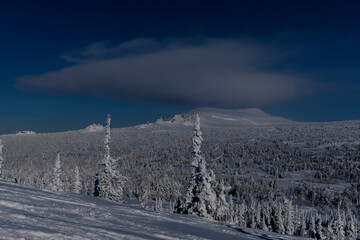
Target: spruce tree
(77, 183)
(222, 207)
(318, 229)
(108, 181)
(200, 197)
(1, 158)
(56, 184)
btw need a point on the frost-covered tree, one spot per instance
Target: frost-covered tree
(222, 212)
(289, 218)
(200, 197)
(1, 158)
(108, 181)
(77, 183)
(277, 219)
(318, 229)
(56, 183)
(312, 231)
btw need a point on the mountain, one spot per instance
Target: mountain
(30, 213)
(215, 117)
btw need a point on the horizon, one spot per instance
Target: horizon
(65, 65)
(167, 118)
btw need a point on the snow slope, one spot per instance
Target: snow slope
(215, 117)
(30, 213)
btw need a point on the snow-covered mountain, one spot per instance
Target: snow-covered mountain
(30, 213)
(215, 117)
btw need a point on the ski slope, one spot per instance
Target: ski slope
(30, 213)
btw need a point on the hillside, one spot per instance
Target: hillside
(215, 117)
(314, 165)
(30, 213)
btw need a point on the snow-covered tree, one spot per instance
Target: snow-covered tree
(277, 219)
(77, 183)
(1, 158)
(318, 229)
(289, 218)
(108, 181)
(200, 197)
(56, 184)
(222, 212)
(339, 224)
(351, 229)
(312, 231)
(330, 235)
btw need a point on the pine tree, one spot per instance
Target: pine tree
(56, 184)
(77, 183)
(1, 158)
(108, 182)
(200, 197)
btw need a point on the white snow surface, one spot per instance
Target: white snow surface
(30, 213)
(94, 128)
(215, 117)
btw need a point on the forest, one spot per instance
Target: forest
(297, 178)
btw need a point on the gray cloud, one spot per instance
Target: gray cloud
(207, 71)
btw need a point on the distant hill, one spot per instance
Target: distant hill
(215, 117)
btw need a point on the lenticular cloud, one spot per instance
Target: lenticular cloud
(221, 72)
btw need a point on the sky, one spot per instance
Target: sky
(66, 64)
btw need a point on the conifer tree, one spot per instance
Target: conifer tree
(330, 235)
(318, 229)
(77, 183)
(222, 207)
(277, 221)
(289, 218)
(312, 227)
(108, 182)
(339, 223)
(1, 158)
(200, 197)
(56, 184)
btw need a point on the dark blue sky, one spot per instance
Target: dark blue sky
(66, 64)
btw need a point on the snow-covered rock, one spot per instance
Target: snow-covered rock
(94, 128)
(24, 133)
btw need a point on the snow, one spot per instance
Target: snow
(94, 128)
(24, 133)
(30, 213)
(214, 117)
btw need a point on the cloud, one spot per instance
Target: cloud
(217, 72)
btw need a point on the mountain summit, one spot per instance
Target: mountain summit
(215, 117)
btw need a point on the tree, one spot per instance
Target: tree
(1, 158)
(56, 184)
(108, 182)
(200, 197)
(318, 229)
(312, 231)
(289, 218)
(77, 183)
(222, 207)
(277, 219)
